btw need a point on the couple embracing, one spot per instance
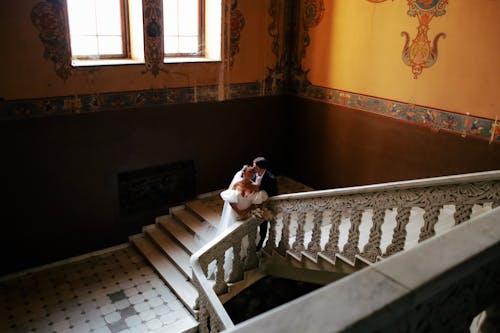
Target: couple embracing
(251, 186)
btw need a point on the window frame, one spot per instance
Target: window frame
(201, 36)
(125, 33)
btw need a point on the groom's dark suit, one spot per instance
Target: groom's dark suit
(270, 185)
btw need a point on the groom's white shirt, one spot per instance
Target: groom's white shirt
(258, 178)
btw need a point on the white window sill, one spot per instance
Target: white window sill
(105, 62)
(175, 60)
(117, 62)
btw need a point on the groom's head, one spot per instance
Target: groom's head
(260, 165)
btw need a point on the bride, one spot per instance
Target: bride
(239, 200)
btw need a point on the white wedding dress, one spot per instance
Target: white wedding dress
(229, 217)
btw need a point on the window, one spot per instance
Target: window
(98, 29)
(111, 32)
(183, 28)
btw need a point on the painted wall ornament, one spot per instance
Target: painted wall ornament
(237, 24)
(420, 53)
(49, 18)
(153, 41)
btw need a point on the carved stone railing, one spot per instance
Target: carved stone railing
(440, 285)
(325, 211)
(212, 257)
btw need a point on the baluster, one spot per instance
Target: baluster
(372, 249)
(298, 245)
(351, 247)
(399, 234)
(431, 217)
(237, 266)
(271, 240)
(251, 261)
(215, 324)
(314, 245)
(332, 246)
(220, 285)
(284, 243)
(202, 318)
(462, 213)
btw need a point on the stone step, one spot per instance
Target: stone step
(177, 255)
(175, 280)
(183, 325)
(184, 238)
(205, 212)
(192, 223)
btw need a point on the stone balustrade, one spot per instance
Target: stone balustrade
(314, 223)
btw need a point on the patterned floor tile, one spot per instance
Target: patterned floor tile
(110, 293)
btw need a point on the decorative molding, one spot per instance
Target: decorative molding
(49, 18)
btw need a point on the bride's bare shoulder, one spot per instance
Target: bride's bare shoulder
(236, 185)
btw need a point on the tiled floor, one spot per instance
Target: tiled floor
(113, 292)
(117, 291)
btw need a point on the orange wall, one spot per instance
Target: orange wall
(26, 74)
(357, 47)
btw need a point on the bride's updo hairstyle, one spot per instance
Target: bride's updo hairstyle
(245, 166)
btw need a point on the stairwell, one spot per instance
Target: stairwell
(307, 254)
(169, 243)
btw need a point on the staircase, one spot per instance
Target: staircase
(169, 243)
(316, 237)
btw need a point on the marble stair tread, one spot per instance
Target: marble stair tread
(183, 325)
(177, 255)
(176, 281)
(192, 223)
(205, 212)
(183, 237)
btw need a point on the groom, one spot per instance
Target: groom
(267, 182)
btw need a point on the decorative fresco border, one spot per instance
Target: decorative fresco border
(435, 119)
(77, 104)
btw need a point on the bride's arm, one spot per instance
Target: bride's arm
(240, 212)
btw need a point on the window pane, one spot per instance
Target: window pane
(108, 14)
(170, 10)
(110, 45)
(188, 17)
(84, 45)
(81, 16)
(188, 44)
(171, 45)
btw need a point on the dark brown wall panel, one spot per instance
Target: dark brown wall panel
(333, 146)
(59, 174)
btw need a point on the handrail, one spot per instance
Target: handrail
(211, 310)
(438, 286)
(334, 207)
(399, 185)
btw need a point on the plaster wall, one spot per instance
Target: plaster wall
(357, 47)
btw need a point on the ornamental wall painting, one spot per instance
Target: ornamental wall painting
(153, 35)
(237, 24)
(290, 41)
(421, 53)
(49, 18)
